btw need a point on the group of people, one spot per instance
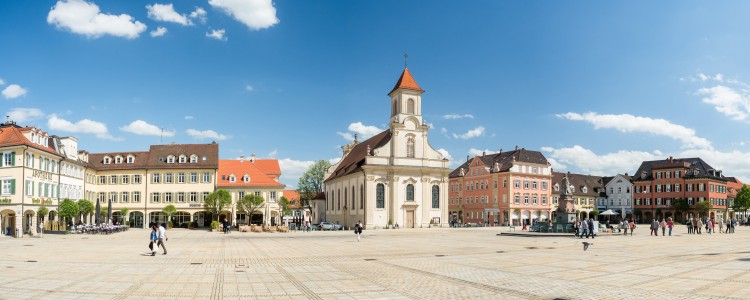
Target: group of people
(584, 228)
(695, 225)
(157, 238)
(656, 224)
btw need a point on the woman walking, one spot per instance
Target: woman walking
(358, 230)
(670, 224)
(625, 226)
(663, 226)
(153, 238)
(631, 224)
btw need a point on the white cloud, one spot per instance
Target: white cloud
(445, 154)
(200, 14)
(249, 88)
(85, 18)
(255, 14)
(457, 116)
(588, 162)
(206, 134)
(731, 163)
(22, 115)
(476, 132)
(158, 32)
(1, 81)
(166, 13)
(141, 127)
(478, 152)
(630, 123)
(363, 131)
(13, 91)
(292, 170)
(728, 101)
(272, 154)
(217, 34)
(189, 118)
(83, 126)
(430, 126)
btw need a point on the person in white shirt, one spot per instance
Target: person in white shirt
(162, 238)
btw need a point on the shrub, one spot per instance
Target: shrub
(214, 225)
(170, 224)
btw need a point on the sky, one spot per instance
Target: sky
(597, 87)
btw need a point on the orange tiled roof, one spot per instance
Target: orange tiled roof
(406, 81)
(238, 168)
(12, 136)
(293, 197)
(268, 166)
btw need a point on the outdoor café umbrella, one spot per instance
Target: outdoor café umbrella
(109, 210)
(608, 213)
(98, 211)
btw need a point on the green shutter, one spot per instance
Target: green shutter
(32, 189)
(2, 159)
(12, 186)
(13, 158)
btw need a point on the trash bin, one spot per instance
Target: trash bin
(18, 232)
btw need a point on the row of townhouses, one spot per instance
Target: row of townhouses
(38, 169)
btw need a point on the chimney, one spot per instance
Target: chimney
(516, 147)
(242, 158)
(484, 153)
(252, 158)
(501, 151)
(671, 159)
(467, 158)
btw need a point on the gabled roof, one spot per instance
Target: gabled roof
(504, 160)
(354, 160)
(594, 184)
(406, 81)
(208, 156)
(238, 168)
(10, 135)
(645, 171)
(96, 161)
(293, 197)
(269, 166)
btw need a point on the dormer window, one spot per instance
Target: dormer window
(246, 178)
(107, 160)
(232, 178)
(170, 159)
(118, 160)
(193, 159)
(131, 159)
(585, 189)
(183, 159)
(46, 143)
(557, 187)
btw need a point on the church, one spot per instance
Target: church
(394, 178)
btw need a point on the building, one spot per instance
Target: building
(394, 177)
(619, 190)
(658, 183)
(29, 168)
(259, 177)
(733, 187)
(587, 192)
(511, 187)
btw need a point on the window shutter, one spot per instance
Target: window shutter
(32, 189)
(2, 159)
(13, 158)
(12, 186)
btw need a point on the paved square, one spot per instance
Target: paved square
(437, 263)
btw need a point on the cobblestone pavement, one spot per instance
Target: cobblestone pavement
(436, 263)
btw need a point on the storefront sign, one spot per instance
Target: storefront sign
(5, 200)
(41, 201)
(42, 174)
(196, 205)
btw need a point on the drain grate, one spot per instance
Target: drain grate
(501, 251)
(531, 248)
(31, 261)
(370, 259)
(196, 263)
(439, 255)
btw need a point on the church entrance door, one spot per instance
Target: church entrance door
(409, 219)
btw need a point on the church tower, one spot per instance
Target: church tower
(406, 99)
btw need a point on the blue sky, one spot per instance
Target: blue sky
(597, 87)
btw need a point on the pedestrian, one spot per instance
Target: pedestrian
(721, 225)
(358, 230)
(663, 225)
(689, 224)
(309, 226)
(670, 224)
(577, 225)
(654, 227)
(591, 229)
(631, 224)
(41, 228)
(625, 226)
(153, 238)
(584, 228)
(162, 238)
(698, 224)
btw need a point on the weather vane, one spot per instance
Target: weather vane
(406, 58)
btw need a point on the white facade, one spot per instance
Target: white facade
(72, 170)
(620, 194)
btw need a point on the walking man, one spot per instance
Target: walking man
(162, 238)
(358, 230)
(591, 228)
(584, 228)
(654, 227)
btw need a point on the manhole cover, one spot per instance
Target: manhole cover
(196, 263)
(369, 259)
(31, 261)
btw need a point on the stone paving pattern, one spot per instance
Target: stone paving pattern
(435, 263)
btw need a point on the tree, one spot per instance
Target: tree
(68, 209)
(311, 182)
(42, 211)
(681, 205)
(284, 202)
(216, 202)
(85, 207)
(250, 204)
(703, 207)
(742, 200)
(124, 214)
(169, 210)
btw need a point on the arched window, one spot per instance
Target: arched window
(410, 192)
(435, 196)
(410, 148)
(354, 206)
(380, 196)
(410, 106)
(338, 197)
(345, 198)
(361, 195)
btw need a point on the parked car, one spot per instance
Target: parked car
(336, 227)
(326, 226)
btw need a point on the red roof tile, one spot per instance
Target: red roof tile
(11, 136)
(268, 166)
(406, 81)
(258, 176)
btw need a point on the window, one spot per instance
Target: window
(102, 179)
(118, 160)
(410, 106)
(525, 184)
(534, 200)
(676, 174)
(544, 200)
(124, 197)
(435, 196)
(8, 187)
(182, 159)
(156, 178)
(410, 192)
(180, 177)
(136, 197)
(246, 178)
(136, 179)
(410, 148)
(544, 185)
(170, 159)
(206, 177)
(534, 185)
(112, 179)
(273, 196)
(113, 197)
(204, 195)
(380, 196)
(517, 183)
(106, 160)
(101, 197)
(131, 159)
(125, 179)
(181, 197)
(29, 188)
(167, 197)
(505, 182)
(155, 197)
(168, 178)
(517, 199)
(193, 159)
(232, 178)
(193, 197)
(585, 190)
(495, 185)
(193, 177)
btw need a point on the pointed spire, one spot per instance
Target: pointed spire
(406, 81)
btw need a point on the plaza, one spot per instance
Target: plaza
(434, 263)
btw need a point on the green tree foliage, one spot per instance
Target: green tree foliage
(68, 209)
(250, 204)
(85, 207)
(124, 213)
(42, 211)
(216, 202)
(284, 203)
(169, 210)
(742, 201)
(703, 207)
(681, 205)
(311, 183)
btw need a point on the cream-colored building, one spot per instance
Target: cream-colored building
(394, 177)
(258, 177)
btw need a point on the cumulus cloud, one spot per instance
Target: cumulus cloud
(85, 18)
(457, 116)
(272, 154)
(478, 152)
(292, 170)
(588, 162)
(158, 32)
(141, 127)
(2, 82)
(476, 132)
(206, 134)
(189, 118)
(249, 88)
(13, 91)
(217, 34)
(445, 154)
(728, 101)
(22, 115)
(255, 14)
(166, 13)
(99, 129)
(363, 131)
(200, 14)
(630, 123)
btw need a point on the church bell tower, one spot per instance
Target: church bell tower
(406, 99)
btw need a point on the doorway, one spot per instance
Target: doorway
(409, 219)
